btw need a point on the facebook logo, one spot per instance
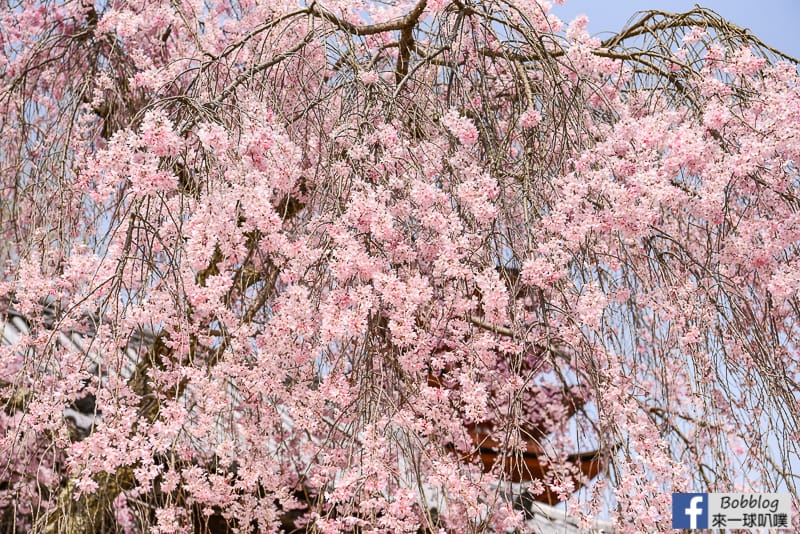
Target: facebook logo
(689, 510)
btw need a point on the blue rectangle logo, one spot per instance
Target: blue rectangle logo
(754, 511)
(689, 510)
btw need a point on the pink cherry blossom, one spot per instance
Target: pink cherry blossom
(391, 266)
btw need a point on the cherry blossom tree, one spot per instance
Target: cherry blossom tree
(369, 243)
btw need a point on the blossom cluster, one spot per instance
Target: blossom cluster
(380, 272)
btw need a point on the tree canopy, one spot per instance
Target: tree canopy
(371, 243)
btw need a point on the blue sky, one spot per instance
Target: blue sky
(776, 22)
